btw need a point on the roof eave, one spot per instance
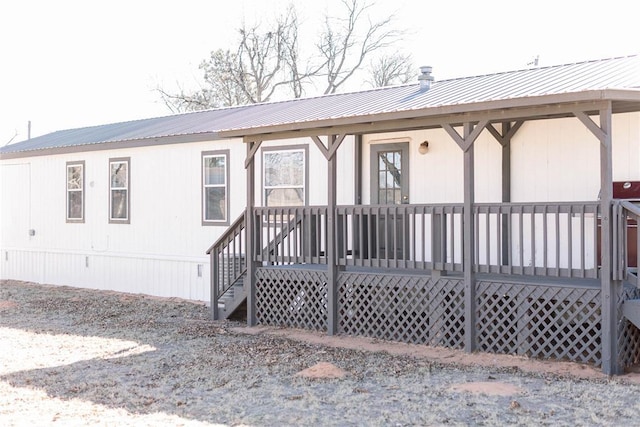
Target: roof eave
(113, 145)
(528, 108)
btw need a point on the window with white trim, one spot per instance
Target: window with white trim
(215, 191)
(119, 189)
(284, 177)
(75, 191)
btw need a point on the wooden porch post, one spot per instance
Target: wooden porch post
(471, 133)
(469, 233)
(506, 191)
(250, 228)
(504, 139)
(332, 261)
(329, 152)
(610, 289)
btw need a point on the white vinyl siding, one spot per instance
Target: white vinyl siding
(75, 192)
(119, 191)
(215, 191)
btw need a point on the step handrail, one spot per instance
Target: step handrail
(622, 210)
(233, 238)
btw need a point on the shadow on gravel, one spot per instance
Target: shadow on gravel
(184, 375)
(196, 369)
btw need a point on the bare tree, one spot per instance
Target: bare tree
(387, 70)
(269, 62)
(344, 47)
(183, 101)
(259, 59)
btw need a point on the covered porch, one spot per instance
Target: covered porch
(548, 280)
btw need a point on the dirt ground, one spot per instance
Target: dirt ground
(74, 356)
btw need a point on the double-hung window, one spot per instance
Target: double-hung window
(119, 189)
(75, 192)
(215, 190)
(284, 176)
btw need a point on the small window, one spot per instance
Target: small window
(119, 185)
(75, 192)
(284, 177)
(215, 178)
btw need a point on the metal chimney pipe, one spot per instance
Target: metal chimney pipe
(425, 78)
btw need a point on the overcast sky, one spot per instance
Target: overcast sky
(73, 63)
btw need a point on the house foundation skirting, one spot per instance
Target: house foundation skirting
(550, 321)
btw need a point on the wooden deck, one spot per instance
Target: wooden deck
(399, 275)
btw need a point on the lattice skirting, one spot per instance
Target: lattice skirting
(413, 309)
(539, 321)
(293, 298)
(628, 334)
(555, 322)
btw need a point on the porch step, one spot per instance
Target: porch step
(231, 301)
(631, 310)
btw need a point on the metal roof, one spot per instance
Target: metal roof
(582, 77)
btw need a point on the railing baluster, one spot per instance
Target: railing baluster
(545, 238)
(521, 238)
(510, 239)
(582, 242)
(558, 247)
(532, 230)
(487, 224)
(570, 243)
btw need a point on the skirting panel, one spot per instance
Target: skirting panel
(164, 277)
(293, 298)
(539, 321)
(628, 334)
(413, 309)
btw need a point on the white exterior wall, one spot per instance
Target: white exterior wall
(551, 161)
(163, 248)
(438, 175)
(559, 160)
(160, 252)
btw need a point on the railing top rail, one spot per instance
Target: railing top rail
(231, 230)
(289, 208)
(630, 205)
(518, 204)
(407, 205)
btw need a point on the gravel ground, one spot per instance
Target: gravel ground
(73, 356)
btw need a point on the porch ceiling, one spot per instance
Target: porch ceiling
(523, 108)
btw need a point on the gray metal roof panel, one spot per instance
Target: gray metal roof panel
(614, 73)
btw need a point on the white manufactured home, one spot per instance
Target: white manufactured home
(489, 213)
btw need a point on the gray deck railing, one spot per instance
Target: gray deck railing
(534, 239)
(626, 240)
(291, 235)
(537, 239)
(400, 236)
(395, 236)
(227, 258)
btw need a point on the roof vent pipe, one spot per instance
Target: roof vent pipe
(425, 78)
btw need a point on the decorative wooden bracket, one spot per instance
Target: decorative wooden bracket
(471, 133)
(503, 137)
(593, 127)
(252, 148)
(334, 142)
